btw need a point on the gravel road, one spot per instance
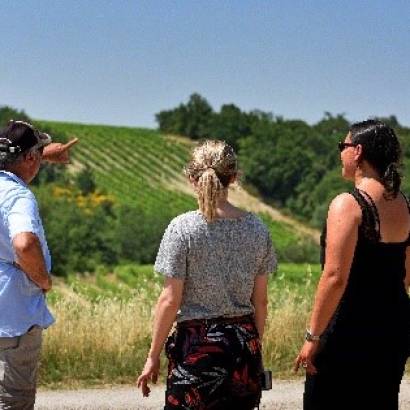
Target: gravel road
(285, 395)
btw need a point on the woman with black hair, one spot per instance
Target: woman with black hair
(358, 338)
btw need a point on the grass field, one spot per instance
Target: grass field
(102, 332)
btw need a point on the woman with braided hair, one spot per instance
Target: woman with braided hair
(358, 339)
(216, 262)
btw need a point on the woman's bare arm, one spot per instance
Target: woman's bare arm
(260, 302)
(342, 232)
(165, 312)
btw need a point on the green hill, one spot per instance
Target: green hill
(136, 166)
(142, 168)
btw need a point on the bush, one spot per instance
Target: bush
(139, 233)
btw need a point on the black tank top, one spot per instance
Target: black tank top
(375, 299)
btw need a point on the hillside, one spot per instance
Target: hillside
(142, 167)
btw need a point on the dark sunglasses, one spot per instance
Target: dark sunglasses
(343, 145)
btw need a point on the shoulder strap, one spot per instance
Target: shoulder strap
(370, 225)
(407, 200)
(408, 207)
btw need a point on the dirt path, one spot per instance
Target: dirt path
(284, 396)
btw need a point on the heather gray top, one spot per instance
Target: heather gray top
(218, 263)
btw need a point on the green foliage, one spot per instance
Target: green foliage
(139, 233)
(192, 119)
(85, 181)
(197, 120)
(289, 245)
(289, 163)
(230, 125)
(115, 203)
(123, 191)
(79, 234)
(275, 157)
(8, 113)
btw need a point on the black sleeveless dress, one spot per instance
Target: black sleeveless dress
(363, 352)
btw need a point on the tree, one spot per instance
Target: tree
(192, 119)
(331, 124)
(8, 113)
(138, 233)
(275, 157)
(173, 121)
(230, 125)
(199, 114)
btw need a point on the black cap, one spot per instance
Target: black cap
(20, 136)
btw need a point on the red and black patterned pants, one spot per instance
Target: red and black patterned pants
(214, 365)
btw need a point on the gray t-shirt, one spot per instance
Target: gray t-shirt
(217, 261)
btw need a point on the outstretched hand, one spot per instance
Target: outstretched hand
(149, 373)
(57, 152)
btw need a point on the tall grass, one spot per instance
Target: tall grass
(105, 340)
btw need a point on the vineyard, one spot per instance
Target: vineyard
(142, 168)
(134, 165)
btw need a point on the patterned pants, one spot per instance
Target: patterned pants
(214, 366)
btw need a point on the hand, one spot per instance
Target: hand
(150, 371)
(306, 356)
(57, 152)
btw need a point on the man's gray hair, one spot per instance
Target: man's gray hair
(9, 157)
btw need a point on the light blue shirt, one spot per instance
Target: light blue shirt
(22, 302)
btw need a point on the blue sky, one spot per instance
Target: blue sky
(120, 62)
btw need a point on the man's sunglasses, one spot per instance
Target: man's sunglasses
(343, 145)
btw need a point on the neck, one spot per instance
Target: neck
(222, 202)
(18, 171)
(366, 176)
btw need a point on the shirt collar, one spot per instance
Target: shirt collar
(14, 177)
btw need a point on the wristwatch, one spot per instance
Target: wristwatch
(310, 337)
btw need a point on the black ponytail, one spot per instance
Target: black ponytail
(381, 149)
(391, 180)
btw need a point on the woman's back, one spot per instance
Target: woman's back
(218, 262)
(392, 215)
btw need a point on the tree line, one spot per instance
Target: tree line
(290, 163)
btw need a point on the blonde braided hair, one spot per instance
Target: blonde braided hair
(213, 164)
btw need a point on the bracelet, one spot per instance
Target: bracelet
(311, 337)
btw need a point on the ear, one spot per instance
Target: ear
(358, 152)
(193, 181)
(30, 157)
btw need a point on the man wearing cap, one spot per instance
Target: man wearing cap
(25, 261)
